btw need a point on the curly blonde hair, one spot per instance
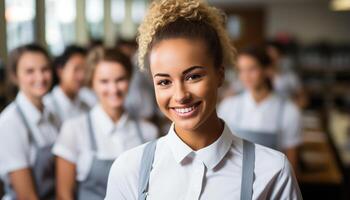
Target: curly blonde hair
(164, 12)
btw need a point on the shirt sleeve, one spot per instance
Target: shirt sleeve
(286, 185)
(66, 145)
(291, 126)
(14, 147)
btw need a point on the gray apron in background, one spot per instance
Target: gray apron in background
(43, 169)
(248, 164)
(268, 139)
(95, 185)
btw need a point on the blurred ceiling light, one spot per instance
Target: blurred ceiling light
(340, 5)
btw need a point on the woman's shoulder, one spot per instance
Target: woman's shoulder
(129, 162)
(9, 116)
(271, 164)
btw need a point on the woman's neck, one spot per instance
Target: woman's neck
(259, 94)
(207, 133)
(37, 102)
(71, 95)
(114, 114)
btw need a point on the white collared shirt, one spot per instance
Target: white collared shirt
(244, 113)
(73, 143)
(213, 172)
(286, 83)
(16, 152)
(58, 102)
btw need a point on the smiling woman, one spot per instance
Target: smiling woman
(28, 128)
(185, 47)
(88, 144)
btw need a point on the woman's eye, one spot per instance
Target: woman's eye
(163, 82)
(103, 81)
(193, 77)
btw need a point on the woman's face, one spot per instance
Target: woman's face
(72, 73)
(185, 81)
(34, 75)
(251, 73)
(110, 83)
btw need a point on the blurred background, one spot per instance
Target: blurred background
(314, 36)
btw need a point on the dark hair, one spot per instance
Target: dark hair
(191, 29)
(277, 45)
(122, 41)
(16, 54)
(260, 55)
(69, 52)
(100, 54)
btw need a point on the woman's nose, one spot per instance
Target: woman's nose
(181, 94)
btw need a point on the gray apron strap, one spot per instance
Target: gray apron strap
(57, 106)
(145, 169)
(26, 124)
(91, 133)
(239, 111)
(280, 112)
(247, 170)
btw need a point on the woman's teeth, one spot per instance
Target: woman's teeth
(185, 110)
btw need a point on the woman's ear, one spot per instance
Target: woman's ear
(13, 78)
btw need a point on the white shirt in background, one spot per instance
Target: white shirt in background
(286, 83)
(88, 96)
(73, 143)
(58, 102)
(213, 172)
(244, 113)
(16, 152)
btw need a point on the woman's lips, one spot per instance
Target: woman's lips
(186, 111)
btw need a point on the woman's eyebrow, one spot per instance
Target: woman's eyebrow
(184, 72)
(191, 69)
(162, 75)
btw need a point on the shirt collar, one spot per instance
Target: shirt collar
(104, 123)
(210, 155)
(248, 97)
(62, 98)
(31, 113)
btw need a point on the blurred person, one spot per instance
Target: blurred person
(285, 80)
(140, 100)
(28, 128)
(88, 144)
(185, 47)
(66, 98)
(259, 114)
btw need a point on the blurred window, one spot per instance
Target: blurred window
(20, 16)
(94, 17)
(60, 24)
(118, 11)
(138, 10)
